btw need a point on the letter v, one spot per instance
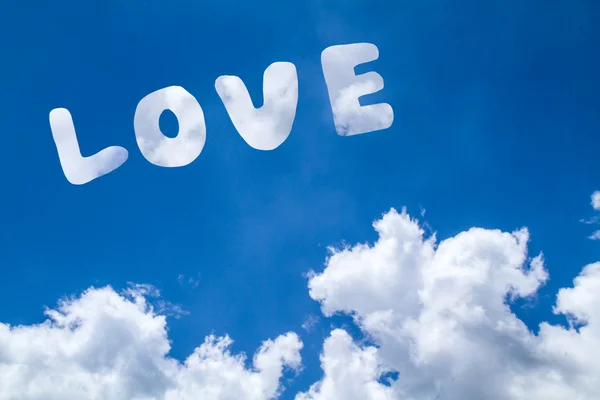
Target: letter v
(265, 128)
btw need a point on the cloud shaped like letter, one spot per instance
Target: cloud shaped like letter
(345, 88)
(155, 146)
(267, 127)
(80, 170)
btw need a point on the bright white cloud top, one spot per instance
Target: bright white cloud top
(437, 313)
(109, 346)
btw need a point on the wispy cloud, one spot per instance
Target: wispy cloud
(310, 322)
(189, 281)
(595, 220)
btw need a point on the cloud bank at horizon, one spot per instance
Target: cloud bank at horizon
(437, 312)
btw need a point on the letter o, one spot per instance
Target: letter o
(159, 149)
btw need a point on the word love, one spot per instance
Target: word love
(264, 128)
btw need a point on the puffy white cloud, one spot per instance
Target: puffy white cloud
(439, 314)
(596, 200)
(351, 372)
(108, 346)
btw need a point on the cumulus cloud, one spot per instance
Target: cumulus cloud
(267, 127)
(351, 372)
(80, 170)
(439, 315)
(436, 315)
(113, 346)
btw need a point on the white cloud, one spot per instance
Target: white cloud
(351, 372)
(80, 170)
(155, 146)
(595, 219)
(351, 117)
(108, 346)
(435, 312)
(596, 200)
(192, 282)
(267, 127)
(345, 88)
(438, 314)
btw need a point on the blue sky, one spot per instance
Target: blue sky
(496, 121)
